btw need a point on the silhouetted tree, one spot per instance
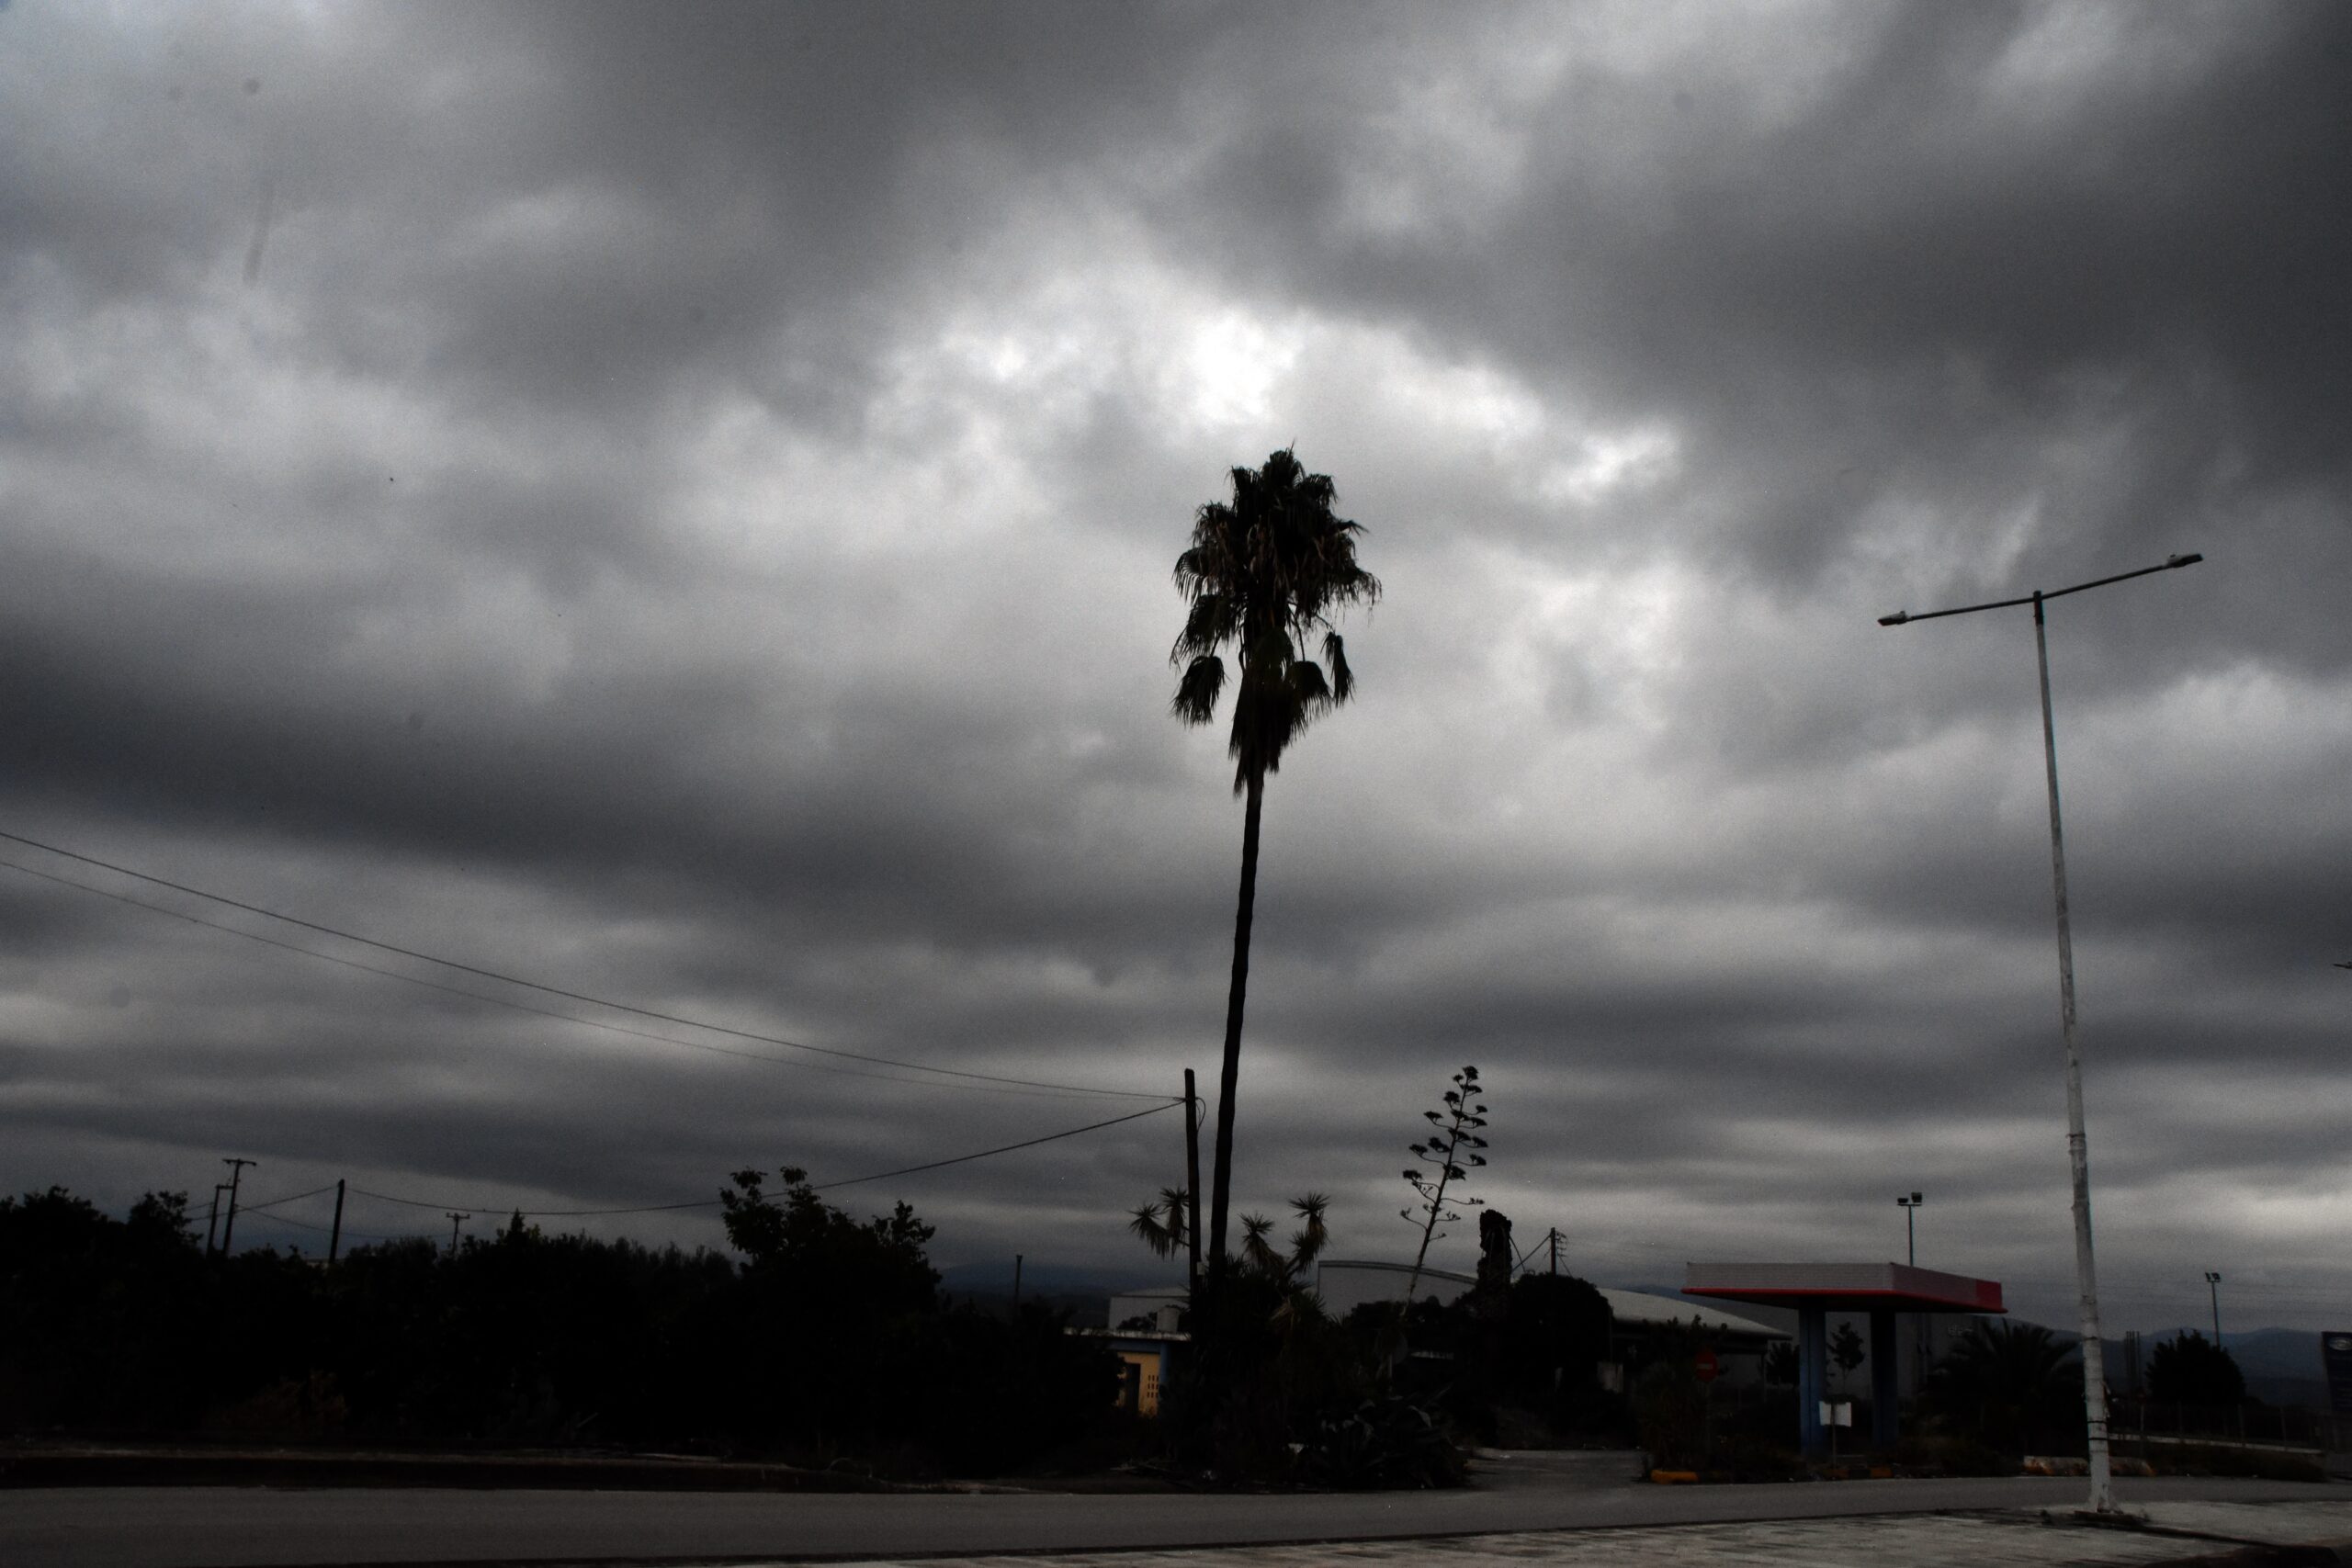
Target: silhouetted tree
(1555, 1334)
(1290, 1269)
(2192, 1369)
(2013, 1383)
(1265, 573)
(881, 1263)
(1847, 1352)
(828, 1338)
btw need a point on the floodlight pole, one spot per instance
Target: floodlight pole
(1911, 1255)
(2077, 1142)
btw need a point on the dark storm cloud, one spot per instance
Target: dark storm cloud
(1931, 261)
(677, 503)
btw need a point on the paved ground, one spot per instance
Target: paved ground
(2003, 1538)
(1544, 1510)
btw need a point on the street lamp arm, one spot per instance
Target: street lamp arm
(1903, 617)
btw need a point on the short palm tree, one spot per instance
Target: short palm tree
(1161, 1223)
(1306, 1243)
(1265, 574)
(2017, 1382)
(1293, 1273)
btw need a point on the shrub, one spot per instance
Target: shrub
(1384, 1443)
(1670, 1414)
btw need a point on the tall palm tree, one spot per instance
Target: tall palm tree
(1265, 574)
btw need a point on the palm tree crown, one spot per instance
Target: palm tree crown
(1265, 572)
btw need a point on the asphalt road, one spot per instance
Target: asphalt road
(221, 1527)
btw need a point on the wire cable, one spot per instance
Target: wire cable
(1002, 1084)
(534, 1214)
(509, 1002)
(347, 1232)
(814, 1187)
(273, 1202)
(1006, 1148)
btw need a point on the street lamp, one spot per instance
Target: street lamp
(1911, 1252)
(2078, 1146)
(2213, 1284)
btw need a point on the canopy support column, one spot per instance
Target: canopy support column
(1885, 1411)
(1812, 1385)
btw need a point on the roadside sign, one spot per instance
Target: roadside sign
(2335, 1359)
(1707, 1366)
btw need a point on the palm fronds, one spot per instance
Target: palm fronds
(1161, 1223)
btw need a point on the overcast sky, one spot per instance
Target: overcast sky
(678, 506)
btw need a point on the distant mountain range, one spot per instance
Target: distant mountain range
(1084, 1294)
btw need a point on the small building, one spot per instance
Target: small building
(1145, 1331)
(1740, 1342)
(1347, 1283)
(1161, 1309)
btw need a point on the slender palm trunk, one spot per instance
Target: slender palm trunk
(1221, 1193)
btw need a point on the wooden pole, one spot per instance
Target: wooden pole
(1192, 1183)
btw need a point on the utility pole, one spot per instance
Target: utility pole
(1552, 1236)
(212, 1221)
(456, 1219)
(334, 1237)
(2095, 1413)
(1016, 1282)
(1192, 1184)
(236, 1174)
(2213, 1284)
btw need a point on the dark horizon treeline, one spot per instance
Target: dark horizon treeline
(828, 1339)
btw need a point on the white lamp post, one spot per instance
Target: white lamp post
(2077, 1148)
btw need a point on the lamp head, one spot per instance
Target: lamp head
(1895, 619)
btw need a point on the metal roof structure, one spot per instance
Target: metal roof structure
(1843, 1287)
(1642, 1307)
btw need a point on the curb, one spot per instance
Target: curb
(2309, 1555)
(476, 1472)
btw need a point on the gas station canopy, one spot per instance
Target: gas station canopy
(1816, 1289)
(1843, 1287)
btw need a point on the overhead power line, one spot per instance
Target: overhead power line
(1001, 1149)
(445, 1205)
(461, 967)
(509, 1003)
(347, 1231)
(534, 1214)
(290, 1198)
